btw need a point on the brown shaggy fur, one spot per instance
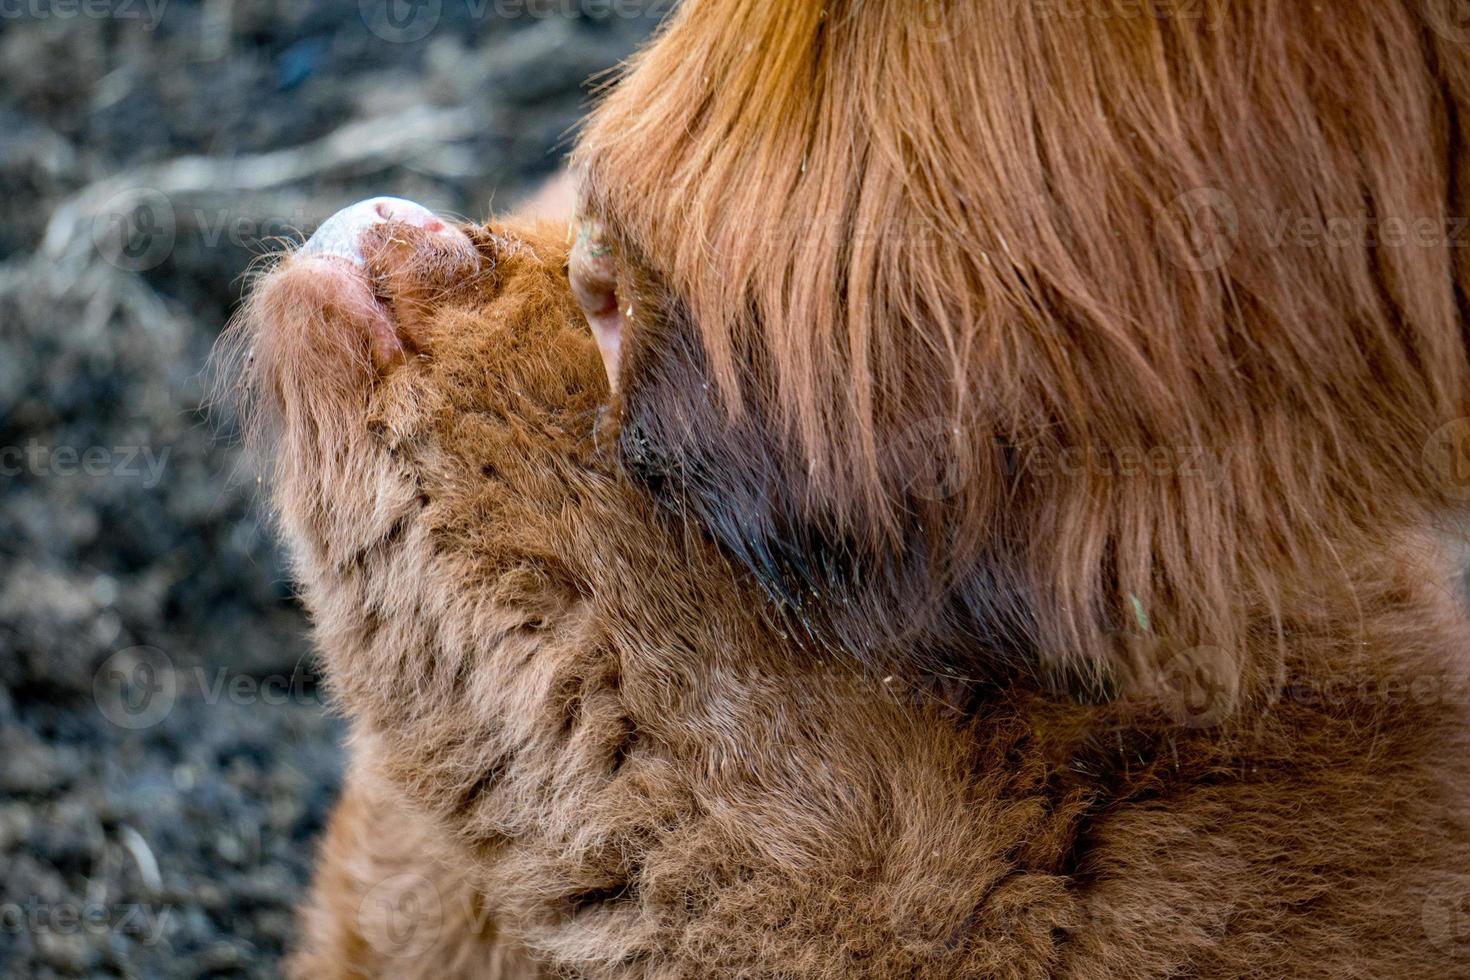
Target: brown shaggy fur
(721, 678)
(1048, 237)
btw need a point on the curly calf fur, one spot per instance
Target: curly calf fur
(583, 729)
(841, 640)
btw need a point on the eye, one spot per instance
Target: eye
(593, 271)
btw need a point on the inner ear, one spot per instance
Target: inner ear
(594, 281)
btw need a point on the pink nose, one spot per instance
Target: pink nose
(340, 234)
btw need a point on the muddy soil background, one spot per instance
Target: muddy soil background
(167, 757)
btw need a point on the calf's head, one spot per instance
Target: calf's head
(1020, 332)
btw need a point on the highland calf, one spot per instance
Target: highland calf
(1009, 545)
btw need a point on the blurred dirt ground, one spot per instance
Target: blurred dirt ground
(166, 758)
